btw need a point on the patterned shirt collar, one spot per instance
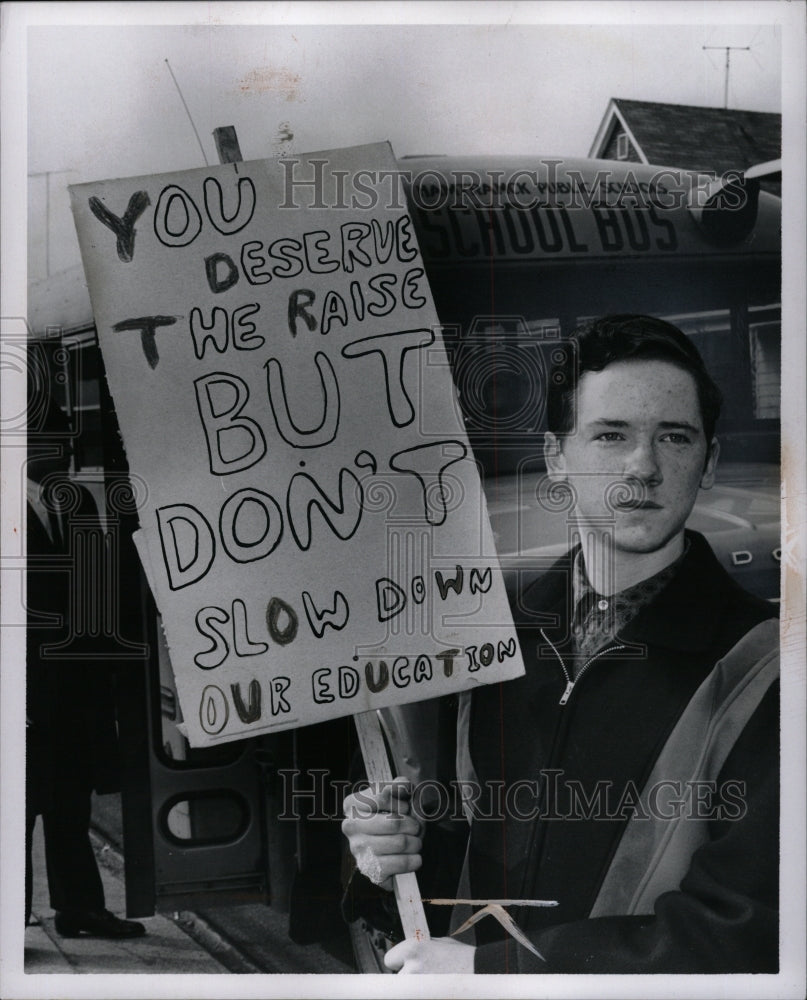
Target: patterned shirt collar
(597, 620)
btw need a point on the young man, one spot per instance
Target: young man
(637, 759)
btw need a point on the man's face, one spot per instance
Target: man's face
(638, 454)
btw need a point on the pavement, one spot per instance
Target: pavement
(167, 947)
(249, 938)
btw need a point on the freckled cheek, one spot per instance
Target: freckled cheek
(684, 484)
(683, 471)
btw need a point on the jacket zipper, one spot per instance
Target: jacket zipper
(552, 757)
(570, 683)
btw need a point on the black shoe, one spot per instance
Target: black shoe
(97, 923)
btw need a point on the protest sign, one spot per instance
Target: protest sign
(314, 528)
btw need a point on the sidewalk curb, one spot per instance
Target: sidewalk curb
(190, 923)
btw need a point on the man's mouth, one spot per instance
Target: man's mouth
(639, 505)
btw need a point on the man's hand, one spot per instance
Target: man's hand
(383, 837)
(412, 957)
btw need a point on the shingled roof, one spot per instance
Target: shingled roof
(690, 138)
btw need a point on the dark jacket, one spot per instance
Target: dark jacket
(69, 684)
(604, 741)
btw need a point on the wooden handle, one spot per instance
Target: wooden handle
(376, 762)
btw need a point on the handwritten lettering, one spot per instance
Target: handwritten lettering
(293, 523)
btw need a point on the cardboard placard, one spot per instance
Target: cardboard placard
(312, 521)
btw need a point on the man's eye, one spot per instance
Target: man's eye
(610, 436)
(676, 437)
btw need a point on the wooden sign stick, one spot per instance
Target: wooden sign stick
(376, 762)
(371, 739)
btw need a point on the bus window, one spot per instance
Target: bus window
(86, 405)
(75, 368)
(766, 361)
(745, 361)
(500, 371)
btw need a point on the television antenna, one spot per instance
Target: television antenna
(728, 49)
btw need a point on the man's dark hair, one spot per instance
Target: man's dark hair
(626, 337)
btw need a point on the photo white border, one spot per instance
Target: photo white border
(15, 18)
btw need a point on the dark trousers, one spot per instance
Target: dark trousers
(73, 877)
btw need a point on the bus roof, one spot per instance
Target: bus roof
(556, 208)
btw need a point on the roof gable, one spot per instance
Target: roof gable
(695, 138)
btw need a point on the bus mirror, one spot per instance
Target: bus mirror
(726, 208)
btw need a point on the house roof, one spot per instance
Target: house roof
(693, 138)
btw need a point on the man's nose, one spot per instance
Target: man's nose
(643, 464)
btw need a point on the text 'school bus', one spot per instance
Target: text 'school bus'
(518, 253)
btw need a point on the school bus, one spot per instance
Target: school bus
(518, 252)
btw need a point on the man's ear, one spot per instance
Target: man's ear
(553, 455)
(708, 477)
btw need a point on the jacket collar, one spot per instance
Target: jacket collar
(687, 613)
(684, 616)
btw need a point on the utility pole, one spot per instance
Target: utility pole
(728, 49)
